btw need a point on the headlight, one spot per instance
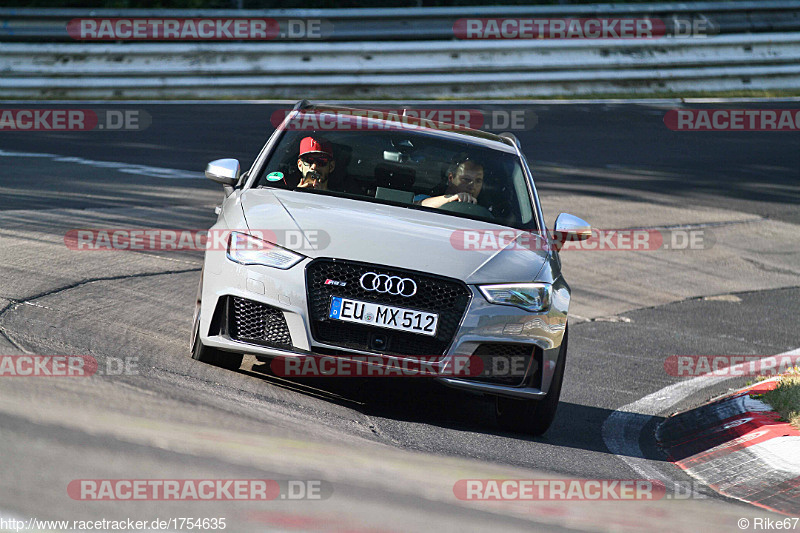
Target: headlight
(533, 297)
(247, 250)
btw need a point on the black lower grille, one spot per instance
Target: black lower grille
(258, 323)
(507, 364)
(446, 297)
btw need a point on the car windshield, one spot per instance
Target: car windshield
(404, 166)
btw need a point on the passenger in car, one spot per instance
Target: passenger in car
(315, 163)
(464, 183)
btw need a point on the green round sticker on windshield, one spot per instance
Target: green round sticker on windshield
(275, 176)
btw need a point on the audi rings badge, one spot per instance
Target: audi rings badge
(386, 284)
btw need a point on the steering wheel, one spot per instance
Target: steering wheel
(467, 208)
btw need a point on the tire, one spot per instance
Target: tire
(213, 356)
(206, 354)
(533, 417)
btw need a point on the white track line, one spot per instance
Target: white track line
(623, 428)
(127, 168)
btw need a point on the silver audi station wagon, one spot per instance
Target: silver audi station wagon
(361, 233)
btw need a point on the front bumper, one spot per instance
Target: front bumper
(482, 330)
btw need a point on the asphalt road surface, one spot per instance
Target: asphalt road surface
(386, 454)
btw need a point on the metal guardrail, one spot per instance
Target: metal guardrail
(408, 53)
(400, 69)
(317, 63)
(27, 24)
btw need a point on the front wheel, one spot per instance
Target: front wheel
(206, 354)
(533, 416)
(212, 356)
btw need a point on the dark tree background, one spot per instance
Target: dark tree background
(274, 4)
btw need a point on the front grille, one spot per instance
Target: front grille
(506, 364)
(446, 297)
(258, 323)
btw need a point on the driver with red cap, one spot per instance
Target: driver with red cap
(315, 163)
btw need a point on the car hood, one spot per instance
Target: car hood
(390, 235)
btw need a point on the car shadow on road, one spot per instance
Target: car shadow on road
(425, 401)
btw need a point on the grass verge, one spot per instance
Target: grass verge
(785, 398)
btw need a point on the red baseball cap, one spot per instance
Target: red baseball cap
(310, 145)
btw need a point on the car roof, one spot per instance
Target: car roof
(451, 130)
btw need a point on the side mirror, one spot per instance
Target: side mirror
(224, 171)
(570, 228)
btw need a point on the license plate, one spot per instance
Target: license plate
(383, 316)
